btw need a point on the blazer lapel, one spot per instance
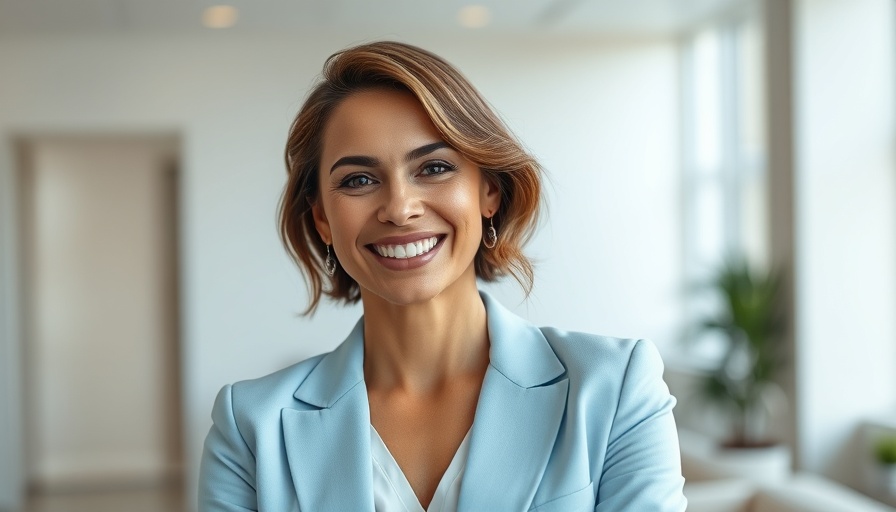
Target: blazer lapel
(521, 404)
(328, 444)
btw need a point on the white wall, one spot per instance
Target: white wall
(601, 115)
(846, 228)
(100, 312)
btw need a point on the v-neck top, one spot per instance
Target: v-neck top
(393, 493)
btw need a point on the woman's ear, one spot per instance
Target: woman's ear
(489, 195)
(321, 222)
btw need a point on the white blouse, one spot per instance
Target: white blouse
(393, 493)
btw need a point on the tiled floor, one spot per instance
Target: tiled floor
(139, 500)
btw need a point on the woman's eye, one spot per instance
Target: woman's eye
(357, 181)
(435, 168)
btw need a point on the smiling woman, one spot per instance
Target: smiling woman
(457, 116)
(396, 184)
(404, 187)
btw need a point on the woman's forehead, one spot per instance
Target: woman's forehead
(377, 120)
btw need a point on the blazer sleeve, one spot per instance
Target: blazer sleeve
(227, 470)
(642, 469)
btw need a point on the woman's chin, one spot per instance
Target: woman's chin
(416, 291)
(401, 295)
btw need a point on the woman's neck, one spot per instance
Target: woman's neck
(420, 347)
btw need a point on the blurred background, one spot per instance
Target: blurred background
(141, 164)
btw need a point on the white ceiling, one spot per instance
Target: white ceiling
(24, 17)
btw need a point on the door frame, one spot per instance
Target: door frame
(13, 471)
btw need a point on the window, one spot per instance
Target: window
(724, 179)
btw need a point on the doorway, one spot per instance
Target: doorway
(101, 351)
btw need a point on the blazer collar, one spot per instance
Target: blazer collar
(336, 373)
(517, 418)
(518, 349)
(520, 409)
(328, 444)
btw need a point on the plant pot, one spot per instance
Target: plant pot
(761, 464)
(702, 458)
(888, 479)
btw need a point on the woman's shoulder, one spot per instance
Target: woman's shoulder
(606, 349)
(589, 357)
(271, 392)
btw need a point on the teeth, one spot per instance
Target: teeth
(407, 250)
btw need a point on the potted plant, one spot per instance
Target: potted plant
(743, 384)
(885, 453)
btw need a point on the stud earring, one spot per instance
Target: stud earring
(491, 235)
(330, 263)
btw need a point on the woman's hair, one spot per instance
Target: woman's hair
(462, 117)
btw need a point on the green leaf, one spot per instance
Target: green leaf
(753, 324)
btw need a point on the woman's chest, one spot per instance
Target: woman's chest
(423, 435)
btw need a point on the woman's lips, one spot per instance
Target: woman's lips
(406, 250)
(409, 253)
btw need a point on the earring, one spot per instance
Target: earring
(330, 263)
(491, 235)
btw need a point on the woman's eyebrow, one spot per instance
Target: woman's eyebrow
(369, 161)
(362, 161)
(425, 150)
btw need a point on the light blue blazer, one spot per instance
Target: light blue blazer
(566, 422)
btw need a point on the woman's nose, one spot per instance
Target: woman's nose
(401, 204)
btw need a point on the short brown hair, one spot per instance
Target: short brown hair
(462, 117)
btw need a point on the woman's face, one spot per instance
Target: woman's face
(402, 209)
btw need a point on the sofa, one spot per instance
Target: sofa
(798, 493)
(717, 481)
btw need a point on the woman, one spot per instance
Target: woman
(403, 188)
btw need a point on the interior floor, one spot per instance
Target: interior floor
(155, 499)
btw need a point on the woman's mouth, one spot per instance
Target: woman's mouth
(408, 250)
